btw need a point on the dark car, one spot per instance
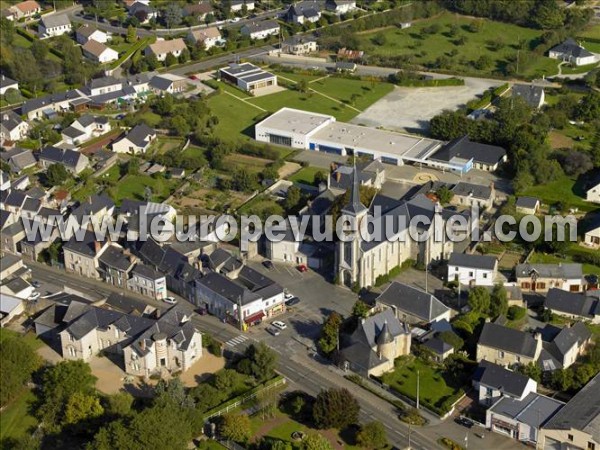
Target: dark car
(292, 301)
(202, 311)
(268, 264)
(464, 421)
(592, 281)
(274, 331)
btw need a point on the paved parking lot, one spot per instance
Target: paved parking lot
(411, 109)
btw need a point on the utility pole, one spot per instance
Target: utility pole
(240, 318)
(409, 430)
(418, 381)
(467, 440)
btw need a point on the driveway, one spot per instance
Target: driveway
(411, 109)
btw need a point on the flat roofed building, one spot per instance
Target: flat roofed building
(248, 77)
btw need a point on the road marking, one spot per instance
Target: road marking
(236, 340)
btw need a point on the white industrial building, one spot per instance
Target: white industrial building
(320, 132)
(248, 77)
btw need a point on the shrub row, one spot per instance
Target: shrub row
(394, 272)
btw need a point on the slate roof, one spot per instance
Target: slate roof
(37, 103)
(526, 202)
(572, 303)
(11, 120)
(572, 49)
(264, 25)
(534, 410)
(438, 346)
(93, 205)
(508, 339)
(464, 148)
(582, 412)
(227, 288)
(86, 30)
(222, 257)
(372, 328)
(147, 272)
(55, 20)
(113, 257)
(6, 82)
(531, 94)
(507, 381)
(72, 132)
(56, 155)
(86, 247)
(15, 199)
(576, 334)
(19, 158)
(472, 261)
(472, 190)
(139, 134)
(567, 271)
(412, 301)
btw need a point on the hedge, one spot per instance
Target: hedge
(516, 313)
(134, 48)
(432, 83)
(394, 272)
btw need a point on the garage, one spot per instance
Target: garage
(332, 150)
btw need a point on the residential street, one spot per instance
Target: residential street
(295, 349)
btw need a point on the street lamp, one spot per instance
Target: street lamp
(418, 380)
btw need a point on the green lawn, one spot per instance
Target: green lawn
(260, 205)
(133, 187)
(424, 49)
(365, 92)
(151, 119)
(227, 87)
(236, 118)
(15, 420)
(164, 144)
(435, 392)
(543, 258)
(195, 152)
(579, 69)
(306, 175)
(113, 174)
(565, 190)
(296, 76)
(592, 31)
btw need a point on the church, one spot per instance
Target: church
(358, 261)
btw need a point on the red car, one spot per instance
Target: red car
(302, 268)
(193, 77)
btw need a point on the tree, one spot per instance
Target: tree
(173, 15)
(335, 408)
(445, 195)
(302, 86)
(498, 301)
(185, 56)
(380, 39)
(152, 62)
(119, 404)
(479, 299)
(574, 163)
(170, 60)
(19, 361)
(236, 427)
(531, 370)
(263, 361)
(315, 441)
(131, 34)
(328, 341)
(180, 126)
(133, 165)
(226, 380)
(360, 309)
(372, 435)
(39, 49)
(57, 174)
(292, 198)
(81, 407)
(562, 379)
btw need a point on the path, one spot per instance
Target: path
(244, 100)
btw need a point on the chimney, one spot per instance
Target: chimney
(338, 175)
(157, 313)
(97, 247)
(143, 344)
(487, 320)
(538, 344)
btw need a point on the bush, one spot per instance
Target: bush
(516, 313)
(449, 443)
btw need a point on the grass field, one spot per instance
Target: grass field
(565, 190)
(365, 93)
(250, 163)
(296, 76)
(15, 420)
(164, 144)
(579, 69)
(133, 187)
(306, 175)
(435, 392)
(424, 49)
(236, 118)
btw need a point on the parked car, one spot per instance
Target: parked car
(279, 324)
(268, 264)
(292, 301)
(202, 311)
(36, 284)
(274, 331)
(170, 300)
(464, 421)
(302, 268)
(288, 296)
(34, 296)
(193, 77)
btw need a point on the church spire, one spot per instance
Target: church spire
(354, 206)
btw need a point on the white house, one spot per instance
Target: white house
(104, 85)
(86, 32)
(527, 205)
(85, 128)
(260, 30)
(573, 305)
(493, 382)
(542, 277)
(7, 83)
(209, 37)
(161, 48)
(304, 11)
(472, 270)
(238, 5)
(25, 9)
(136, 141)
(147, 281)
(340, 6)
(592, 233)
(98, 52)
(570, 51)
(12, 127)
(248, 77)
(10, 307)
(592, 192)
(54, 25)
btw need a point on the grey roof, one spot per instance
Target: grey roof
(147, 272)
(227, 288)
(72, 132)
(572, 49)
(508, 339)
(472, 261)
(225, 259)
(531, 94)
(438, 346)
(464, 148)
(55, 20)
(413, 301)
(17, 285)
(582, 412)
(381, 326)
(345, 65)
(113, 257)
(86, 30)
(32, 205)
(103, 82)
(567, 271)
(86, 247)
(140, 133)
(93, 205)
(308, 8)
(572, 303)
(526, 202)
(507, 381)
(534, 410)
(472, 190)
(95, 317)
(161, 83)
(6, 82)
(264, 25)
(9, 260)
(38, 103)
(354, 206)
(69, 158)
(15, 199)
(10, 120)
(570, 336)
(4, 217)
